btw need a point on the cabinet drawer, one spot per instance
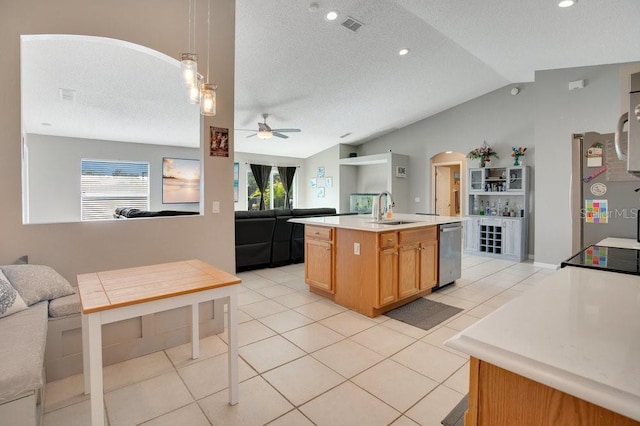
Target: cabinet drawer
(318, 232)
(388, 239)
(416, 235)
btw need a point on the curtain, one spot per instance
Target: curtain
(286, 177)
(261, 175)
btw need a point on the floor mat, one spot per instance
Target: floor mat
(423, 313)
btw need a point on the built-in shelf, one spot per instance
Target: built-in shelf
(366, 160)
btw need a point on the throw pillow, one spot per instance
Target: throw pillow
(36, 283)
(10, 300)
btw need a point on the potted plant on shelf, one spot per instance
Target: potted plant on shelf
(483, 153)
(516, 154)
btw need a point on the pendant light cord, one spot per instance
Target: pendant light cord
(208, 37)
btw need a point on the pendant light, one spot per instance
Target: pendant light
(208, 90)
(189, 60)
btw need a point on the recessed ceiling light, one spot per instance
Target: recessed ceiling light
(567, 3)
(403, 51)
(331, 16)
(448, 152)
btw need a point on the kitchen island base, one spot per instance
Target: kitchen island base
(501, 397)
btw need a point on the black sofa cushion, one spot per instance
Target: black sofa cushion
(254, 236)
(130, 212)
(281, 247)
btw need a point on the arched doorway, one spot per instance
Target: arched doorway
(448, 184)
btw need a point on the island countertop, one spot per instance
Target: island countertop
(367, 223)
(578, 331)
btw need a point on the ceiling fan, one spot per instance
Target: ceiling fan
(266, 132)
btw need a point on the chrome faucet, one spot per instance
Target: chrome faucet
(379, 214)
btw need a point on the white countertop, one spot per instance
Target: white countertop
(629, 243)
(364, 222)
(577, 331)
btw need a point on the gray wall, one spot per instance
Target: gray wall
(74, 248)
(332, 196)
(498, 117)
(54, 173)
(558, 114)
(543, 118)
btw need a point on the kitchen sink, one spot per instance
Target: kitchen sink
(392, 222)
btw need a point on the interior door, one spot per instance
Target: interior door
(443, 190)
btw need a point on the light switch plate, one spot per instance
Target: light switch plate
(215, 207)
(356, 249)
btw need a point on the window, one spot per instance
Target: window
(107, 184)
(274, 194)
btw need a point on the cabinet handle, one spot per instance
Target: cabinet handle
(389, 240)
(316, 233)
(395, 253)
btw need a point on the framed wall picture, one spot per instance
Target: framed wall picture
(180, 180)
(320, 172)
(236, 181)
(401, 172)
(313, 182)
(328, 182)
(320, 192)
(219, 142)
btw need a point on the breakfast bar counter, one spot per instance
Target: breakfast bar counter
(564, 352)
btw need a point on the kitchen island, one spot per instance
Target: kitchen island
(372, 266)
(565, 352)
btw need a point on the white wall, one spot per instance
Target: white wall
(74, 248)
(54, 173)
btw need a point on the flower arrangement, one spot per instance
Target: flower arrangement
(483, 153)
(516, 154)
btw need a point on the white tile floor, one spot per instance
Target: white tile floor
(304, 361)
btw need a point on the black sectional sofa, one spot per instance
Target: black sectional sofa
(266, 238)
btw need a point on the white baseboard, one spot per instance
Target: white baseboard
(546, 265)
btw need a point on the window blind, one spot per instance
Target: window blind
(107, 184)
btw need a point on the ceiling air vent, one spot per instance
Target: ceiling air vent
(67, 95)
(352, 24)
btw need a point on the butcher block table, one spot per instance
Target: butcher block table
(117, 295)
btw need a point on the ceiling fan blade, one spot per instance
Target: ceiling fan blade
(280, 135)
(286, 130)
(252, 135)
(245, 130)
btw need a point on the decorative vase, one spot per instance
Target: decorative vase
(482, 162)
(518, 161)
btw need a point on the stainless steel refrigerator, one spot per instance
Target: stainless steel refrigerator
(604, 200)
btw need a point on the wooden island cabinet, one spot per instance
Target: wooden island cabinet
(371, 272)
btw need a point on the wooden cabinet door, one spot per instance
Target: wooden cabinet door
(387, 276)
(318, 266)
(428, 264)
(408, 269)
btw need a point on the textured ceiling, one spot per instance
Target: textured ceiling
(308, 73)
(318, 76)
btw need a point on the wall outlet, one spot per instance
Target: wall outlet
(215, 207)
(417, 199)
(356, 249)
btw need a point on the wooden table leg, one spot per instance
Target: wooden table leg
(232, 320)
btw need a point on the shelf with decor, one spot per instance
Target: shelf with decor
(498, 210)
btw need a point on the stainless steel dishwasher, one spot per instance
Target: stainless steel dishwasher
(450, 253)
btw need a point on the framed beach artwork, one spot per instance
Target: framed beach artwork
(236, 181)
(180, 180)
